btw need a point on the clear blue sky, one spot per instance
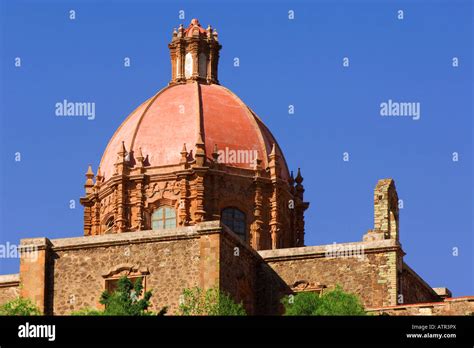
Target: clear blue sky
(282, 62)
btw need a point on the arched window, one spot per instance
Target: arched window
(163, 217)
(235, 220)
(109, 225)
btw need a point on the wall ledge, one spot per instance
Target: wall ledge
(321, 251)
(9, 280)
(125, 238)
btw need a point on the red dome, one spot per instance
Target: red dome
(176, 115)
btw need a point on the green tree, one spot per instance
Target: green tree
(87, 311)
(334, 302)
(19, 306)
(195, 301)
(125, 300)
(303, 303)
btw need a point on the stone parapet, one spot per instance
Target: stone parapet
(450, 306)
(325, 250)
(8, 280)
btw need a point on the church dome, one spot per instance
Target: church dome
(193, 110)
(195, 152)
(178, 114)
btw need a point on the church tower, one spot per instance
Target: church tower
(195, 152)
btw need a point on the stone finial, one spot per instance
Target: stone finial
(257, 163)
(123, 157)
(274, 164)
(215, 153)
(140, 158)
(291, 180)
(299, 178)
(123, 151)
(200, 151)
(99, 177)
(89, 180)
(273, 152)
(184, 155)
(89, 172)
(209, 32)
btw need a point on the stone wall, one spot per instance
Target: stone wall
(33, 271)
(9, 287)
(270, 290)
(169, 261)
(450, 306)
(70, 274)
(238, 270)
(414, 289)
(373, 276)
(168, 267)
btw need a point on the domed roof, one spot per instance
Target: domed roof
(195, 28)
(178, 115)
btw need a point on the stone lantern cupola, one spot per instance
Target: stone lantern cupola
(194, 54)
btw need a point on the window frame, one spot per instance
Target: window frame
(242, 235)
(163, 219)
(109, 224)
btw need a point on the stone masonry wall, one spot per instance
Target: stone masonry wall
(270, 290)
(238, 270)
(169, 261)
(79, 280)
(9, 287)
(372, 277)
(414, 289)
(450, 306)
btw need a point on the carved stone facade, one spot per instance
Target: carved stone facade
(274, 208)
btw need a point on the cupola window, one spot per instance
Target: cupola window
(163, 217)
(235, 220)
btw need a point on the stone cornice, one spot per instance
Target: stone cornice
(34, 244)
(423, 304)
(320, 251)
(125, 238)
(9, 280)
(107, 187)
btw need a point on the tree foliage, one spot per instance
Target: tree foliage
(19, 306)
(196, 301)
(334, 302)
(125, 300)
